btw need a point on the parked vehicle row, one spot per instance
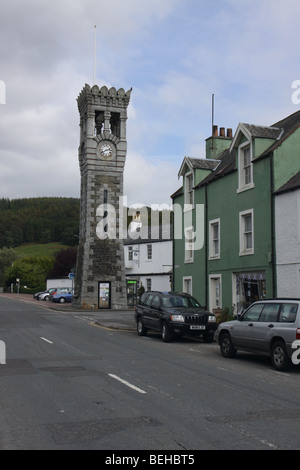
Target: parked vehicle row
(174, 314)
(267, 327)
(61, 295)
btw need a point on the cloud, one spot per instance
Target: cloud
(46, 58)
(174, 53)
(147, 183)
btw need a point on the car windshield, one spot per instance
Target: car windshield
(172, 301)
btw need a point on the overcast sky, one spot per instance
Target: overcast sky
(174, 54)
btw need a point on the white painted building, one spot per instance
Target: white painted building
(148, 259)
(65, 282)
(287, 216)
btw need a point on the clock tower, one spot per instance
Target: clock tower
(100, 271)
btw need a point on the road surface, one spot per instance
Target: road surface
(69, 383)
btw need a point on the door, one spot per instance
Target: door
(131, 292)
(242, 333)
(104, 295)
(262, 330)
(147, 312)
(156, 312)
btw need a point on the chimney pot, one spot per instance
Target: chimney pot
(229, 133)
(222, 131)
(215, 131)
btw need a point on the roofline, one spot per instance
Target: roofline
(177, 193)
(186, 160)
(239, 128)
(276, 144)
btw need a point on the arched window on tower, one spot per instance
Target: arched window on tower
(105, 212)
(99, 122)
(115, 124)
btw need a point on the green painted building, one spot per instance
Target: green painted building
(224, 248)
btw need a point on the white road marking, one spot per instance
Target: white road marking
(47, 340)
(127, 383)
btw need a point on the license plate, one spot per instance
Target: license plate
(197, 327)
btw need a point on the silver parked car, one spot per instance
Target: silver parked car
(46, 295)
(269, 327)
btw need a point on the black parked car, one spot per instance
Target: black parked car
(174, 314)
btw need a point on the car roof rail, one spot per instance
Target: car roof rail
(297, 299)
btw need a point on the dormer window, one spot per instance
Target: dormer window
(247, 170)
(189, 192)
(245, 167)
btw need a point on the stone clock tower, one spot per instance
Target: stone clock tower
(100, 270)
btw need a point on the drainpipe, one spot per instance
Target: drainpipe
(173, 251)
(273, 240)
(206, 248)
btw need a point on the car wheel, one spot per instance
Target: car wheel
(46, 297)
(141, 330)
(62, 300)
(226, 346)
(279, 356)
(165, 333)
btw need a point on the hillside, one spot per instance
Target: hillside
(50, 219)
(39, 250)
(39, 220)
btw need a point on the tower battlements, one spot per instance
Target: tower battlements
(103, 97)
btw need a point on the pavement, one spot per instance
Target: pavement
(111, 319)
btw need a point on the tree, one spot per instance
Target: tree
(64, 263)
(7, 257)
(38, 220)
(31, 271)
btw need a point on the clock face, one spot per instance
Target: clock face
(106, 150)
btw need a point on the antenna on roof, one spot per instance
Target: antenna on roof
(94, 74)
(212, 113)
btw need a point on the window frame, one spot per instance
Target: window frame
(188, 190)
(244, 251)
(243, 185)
(187, 281)
(212, 251)
(189, 245)
(149, 252)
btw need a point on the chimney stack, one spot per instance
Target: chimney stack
(218, 142)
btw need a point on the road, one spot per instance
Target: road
(69, 383)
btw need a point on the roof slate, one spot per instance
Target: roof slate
(291, 185)
(204, 163)
(287, 125)
(263, 131)
(279, 131)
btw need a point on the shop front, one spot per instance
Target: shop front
(247, 288)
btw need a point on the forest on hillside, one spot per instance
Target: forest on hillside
(42, 221)
(52, 219)
(39, 220)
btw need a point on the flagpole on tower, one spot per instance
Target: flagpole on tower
(94, 75)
